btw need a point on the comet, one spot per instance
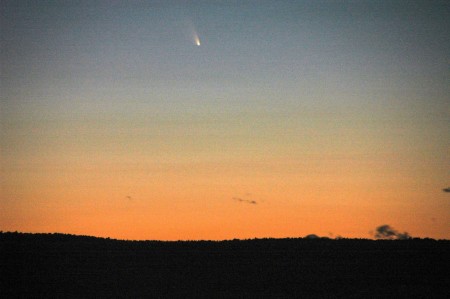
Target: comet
(197, 39)
(193, 33)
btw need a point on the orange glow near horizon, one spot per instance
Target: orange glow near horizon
(191, 201)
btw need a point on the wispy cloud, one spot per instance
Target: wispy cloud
(249, 201)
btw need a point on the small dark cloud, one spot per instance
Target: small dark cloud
(385, 232)
(252, 202)
(129, 197)
(446, 189)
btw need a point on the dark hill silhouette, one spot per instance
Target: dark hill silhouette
(68, 266)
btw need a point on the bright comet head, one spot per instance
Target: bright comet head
(197, 41)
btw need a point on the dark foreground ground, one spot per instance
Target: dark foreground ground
(66, 266)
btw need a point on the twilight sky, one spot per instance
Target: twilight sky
(290, 118)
